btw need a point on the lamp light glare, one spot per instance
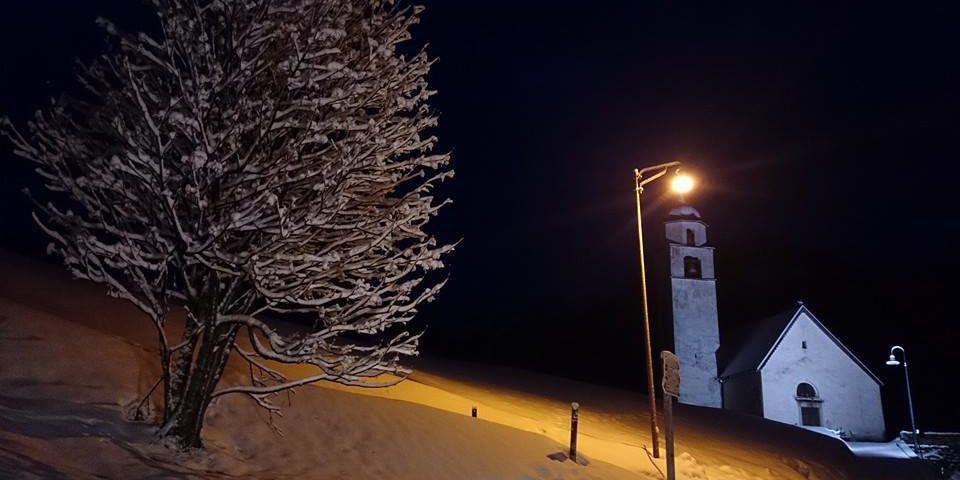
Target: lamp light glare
(893, 361)
(682, 183)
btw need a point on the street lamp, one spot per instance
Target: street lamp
(893, 362)
(680, 184)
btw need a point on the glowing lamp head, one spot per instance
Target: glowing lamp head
(893, 361)
(682, 183)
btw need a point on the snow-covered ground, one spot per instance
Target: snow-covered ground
(895, 448)
(892, 449)
(73, 363)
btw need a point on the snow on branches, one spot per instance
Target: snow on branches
(255, 158)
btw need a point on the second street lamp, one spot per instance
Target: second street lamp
(893, 362)
(680, 184)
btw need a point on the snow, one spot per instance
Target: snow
(63, 411)
(892, 449)
(824, 431)
(73, 366)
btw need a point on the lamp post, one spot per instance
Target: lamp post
(893, 362)
(680, 184)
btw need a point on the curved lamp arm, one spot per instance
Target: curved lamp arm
(903, 353)
(663, 167)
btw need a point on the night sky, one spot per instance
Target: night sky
(826, 140)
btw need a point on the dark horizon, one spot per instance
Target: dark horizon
(826, 140)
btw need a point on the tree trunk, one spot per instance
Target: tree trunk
(199, 378)
(180, 371)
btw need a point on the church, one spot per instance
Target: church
(790, 368)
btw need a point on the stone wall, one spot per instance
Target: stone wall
(741, 393)
(941, 448)
(696, 340)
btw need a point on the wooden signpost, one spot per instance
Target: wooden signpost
(671, 390)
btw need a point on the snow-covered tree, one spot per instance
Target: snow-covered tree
(255, 159)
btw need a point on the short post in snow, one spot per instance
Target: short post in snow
(473, 412)
(574, 419)
(671, 390)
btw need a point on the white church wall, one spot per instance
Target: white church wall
(696, 339)
(850, 397)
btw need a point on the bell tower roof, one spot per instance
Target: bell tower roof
(684, 225)
(684, 212)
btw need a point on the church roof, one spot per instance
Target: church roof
(765, 338)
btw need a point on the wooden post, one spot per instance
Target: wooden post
(671, 389)
(473, 412)
(574, 419)
(668, 420)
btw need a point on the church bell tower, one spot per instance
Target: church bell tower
(693, 286)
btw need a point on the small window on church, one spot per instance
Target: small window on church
(691, 267)
(805, 390)
(803, 344)
(691, 238)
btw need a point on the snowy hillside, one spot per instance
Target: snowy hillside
(73, 363)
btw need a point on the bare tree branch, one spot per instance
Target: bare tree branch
(253, 160)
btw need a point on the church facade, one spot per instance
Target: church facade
(790, 368)
(793, 370)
